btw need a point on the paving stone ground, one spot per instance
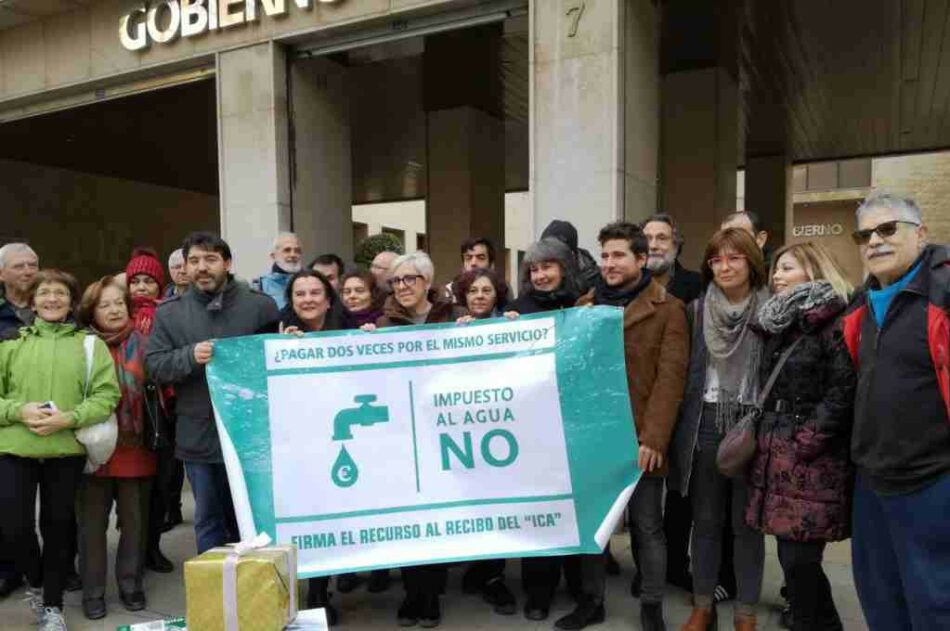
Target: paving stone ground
(361, 610)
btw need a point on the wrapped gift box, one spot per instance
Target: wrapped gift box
(242, 588)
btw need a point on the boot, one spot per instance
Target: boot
(378, 581)
(157, 562)
(651, 617)
(585, 614)
(430, 612)
(319, 598)
(701, 619)
(409, 611)
(745, 622)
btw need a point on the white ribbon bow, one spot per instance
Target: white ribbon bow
(229, 575)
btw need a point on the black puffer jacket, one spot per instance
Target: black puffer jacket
(801, 478)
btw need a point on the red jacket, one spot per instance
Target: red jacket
(901, 437)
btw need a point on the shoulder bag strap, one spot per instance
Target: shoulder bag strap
(767, 390)
(89, 345)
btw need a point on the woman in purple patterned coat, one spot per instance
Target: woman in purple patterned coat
(800, 481)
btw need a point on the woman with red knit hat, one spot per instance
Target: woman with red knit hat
(145, 278)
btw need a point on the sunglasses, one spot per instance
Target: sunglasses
(884, 230)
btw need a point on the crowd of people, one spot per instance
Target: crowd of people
(850, 389)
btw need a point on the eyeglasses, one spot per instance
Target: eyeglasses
(884, 230)
(408, 280)
(733, 260)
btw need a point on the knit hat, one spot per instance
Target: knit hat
(145, 261)
(563, 231)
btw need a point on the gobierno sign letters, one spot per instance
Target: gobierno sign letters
(165, 21)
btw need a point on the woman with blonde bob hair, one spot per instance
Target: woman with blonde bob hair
(800, 479)
(817, 264)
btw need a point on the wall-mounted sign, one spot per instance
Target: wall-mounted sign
(818, 230)
(167, 20)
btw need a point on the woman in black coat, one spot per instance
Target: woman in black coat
(549, 281)
(312, 306)
(800, 482)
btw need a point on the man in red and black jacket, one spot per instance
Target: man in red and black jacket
(898, 332)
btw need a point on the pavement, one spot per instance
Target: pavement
(361, 610)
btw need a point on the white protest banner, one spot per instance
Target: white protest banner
(429, 444)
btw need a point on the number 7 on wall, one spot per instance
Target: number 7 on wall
(575, 14)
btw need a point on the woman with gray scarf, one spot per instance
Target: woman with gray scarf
(722, 384)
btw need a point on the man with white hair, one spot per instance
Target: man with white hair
(898, 333)
(18, 267)
(178, 273)
(286, 255)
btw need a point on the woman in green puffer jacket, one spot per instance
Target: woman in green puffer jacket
(38, 446)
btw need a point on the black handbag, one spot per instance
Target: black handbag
(157, 430)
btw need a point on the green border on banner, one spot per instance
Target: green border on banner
(592, 388)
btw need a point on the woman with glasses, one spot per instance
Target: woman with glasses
(414, 301)
(722, 385)
(47, 391)
(800, 479)
(549, 281)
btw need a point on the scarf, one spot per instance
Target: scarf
(782, 310)
(127, 348)
(560, 298)
(143, 314)
(618, 297)
(356, 319)
(734, 352)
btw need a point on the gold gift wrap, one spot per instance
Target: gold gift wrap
(242, 589)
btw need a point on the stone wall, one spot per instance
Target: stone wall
(88, 224)
(926, 178)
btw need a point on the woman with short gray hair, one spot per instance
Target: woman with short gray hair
(549, 281)
(549, 278)
(413, 301)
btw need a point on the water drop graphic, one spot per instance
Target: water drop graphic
(344, 473)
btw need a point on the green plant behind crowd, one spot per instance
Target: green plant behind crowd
(368, 248)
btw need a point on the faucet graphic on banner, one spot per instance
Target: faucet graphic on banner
(345, 473)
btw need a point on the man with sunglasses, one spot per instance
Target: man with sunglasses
(898, 333)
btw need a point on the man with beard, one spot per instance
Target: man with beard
(656, 347)
(665, 244)
(179, 349)
(286, 256)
